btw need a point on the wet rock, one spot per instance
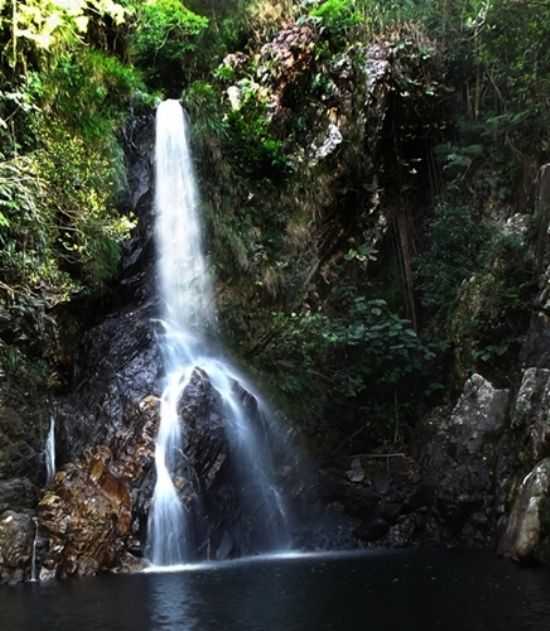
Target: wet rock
(20, 447)
(201, 413)
(327, 145)
(458, 458)
(536, 349)
(403, 533)
(527, 535)
(373, 530)
(531, 413)
(118, 365)
(377, 492)
(95, 506)
(209, 478)
(356, 472)
(16, 537)
(17, 494)
(87, 517)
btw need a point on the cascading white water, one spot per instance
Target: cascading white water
(188, 311)
(185, 286)
(50, 452)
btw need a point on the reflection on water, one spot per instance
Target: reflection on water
(171, 605)
(378, 591)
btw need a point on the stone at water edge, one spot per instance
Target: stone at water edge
(93, 511)
(531, 412)
(527, 535)
(459, 458)
(16, 537)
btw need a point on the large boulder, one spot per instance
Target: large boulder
(531, 413)
(459, 461)
(215, 479)
(16, 541)
(526, 531)
(17, 494)
(527, 535)
(94, 513)
(118, 364)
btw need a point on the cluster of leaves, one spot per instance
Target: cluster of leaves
(456, 240)
(88, 90)
(253, 145)
(60, 163)
(337, 15)
(83, 179)
(58, 230)
(168, 40)
(369, 351)
(493, 308)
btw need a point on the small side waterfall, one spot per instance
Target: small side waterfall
(34, 569)
(50, 452)
(188, 315)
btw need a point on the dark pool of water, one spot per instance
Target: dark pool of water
(405, 591)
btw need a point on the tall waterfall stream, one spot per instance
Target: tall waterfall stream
(188, 316)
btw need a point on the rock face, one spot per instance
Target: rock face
(459, 460)
(450, 491)
(118, 365)
(94, 516)
(16, 538)
(382, 495)
(531, 415)
(93, 513)
(527, 535)
(228, 519)
(23, 426)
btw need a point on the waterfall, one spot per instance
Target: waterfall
(188, 316)
(50, 452)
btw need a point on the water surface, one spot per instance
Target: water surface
(405, 591)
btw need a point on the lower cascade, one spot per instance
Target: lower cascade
(191, 360)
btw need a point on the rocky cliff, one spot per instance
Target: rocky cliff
(384, 460)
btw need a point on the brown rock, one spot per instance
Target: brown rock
(88, 513)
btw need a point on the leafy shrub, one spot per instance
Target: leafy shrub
(82, 180)
(369, 349)
(58, 230)
(202, 101)
(493, 308)
(167, 39)
(250, 139)
(88, 89)
(337, 15)
(456, 240)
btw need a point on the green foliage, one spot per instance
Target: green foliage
(82, 179)
(370, 349)
(58, 227)
(455, 243)
(250, 140)
(493, 308)
(202, 101)
(337, 15)
(27, 227)
(46, 25)
(167, 38)
(87, 89)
